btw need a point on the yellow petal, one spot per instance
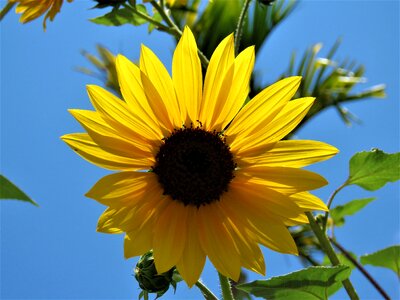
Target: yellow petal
(284, 180)
(308, 201)
(130, 81)
(107, 138)
(238, 90)
(250, 254)
(111, 218)
(253, 218)
(139, 241)
(124, 188)
(265, 199)
(287, 119)
(82, 144)
(293, 153)
(155, 71)
(263, 107)
(187, 77)
(157, 104)
(217, 242)
(193, 257)
(215, 90)
(170, 236)
(116, 113)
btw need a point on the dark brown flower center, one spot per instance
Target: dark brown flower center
(194, 166)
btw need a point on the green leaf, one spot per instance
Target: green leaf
(387, 258)
(307, 284)
(157, 17)
(118, 17)
(8, 190)
(343, 261)
(372, 170)
(339, 212)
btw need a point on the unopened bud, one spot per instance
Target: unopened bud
(148, 278)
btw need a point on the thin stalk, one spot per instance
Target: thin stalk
(330, 200)
(208, 295)
(239, 28)
(328, 249)
(148, 18)
(360, 268)
(174, 29)
(225, 287)
(6, 9)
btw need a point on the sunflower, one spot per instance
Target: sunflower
(33, 9)
(200, 173)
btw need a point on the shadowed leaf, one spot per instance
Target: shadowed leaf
(307, 284)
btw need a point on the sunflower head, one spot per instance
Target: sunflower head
(32, 10)
(199, 173)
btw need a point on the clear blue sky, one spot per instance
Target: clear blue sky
(54, 251)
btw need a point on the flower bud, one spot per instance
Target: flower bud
(148, 278)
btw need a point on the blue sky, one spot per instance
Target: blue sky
(54, 251)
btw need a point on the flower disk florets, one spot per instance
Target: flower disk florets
(194, 166)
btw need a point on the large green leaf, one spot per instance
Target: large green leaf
(118, 17)
(8, 190)
(387, 258)
(372, 170)
(339, 212)
(307, 284)
(343, 261)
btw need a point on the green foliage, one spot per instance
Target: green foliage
(339, 212)
(105, 65)
(343, 261)
(261, 20)
(307, 284)
(121, 16)
(8, 190)
(373, 169)
(387, 258)
(331, 82)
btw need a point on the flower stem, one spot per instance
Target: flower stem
(330, 200)
(328, 249)
(147, 18)
(225, 287)
(239, 28)
(208, 295)
(174, 30)
(360, 268)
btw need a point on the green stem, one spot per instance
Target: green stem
(225, 287)
(330, 200)
(239, 28)
(174, 29)
(148, 18)
(361, 269)
(208, 295)
(6, 9)
(328, 249)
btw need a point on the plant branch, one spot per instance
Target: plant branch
(328, 249)
(239, 28)
(225, 287)
(360, 268)
(330, 200)
(208, 295)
